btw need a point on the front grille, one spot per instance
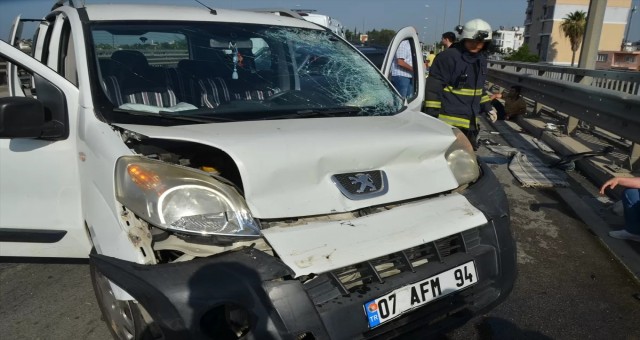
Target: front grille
(353, 278)
(345, 180)
(361, 185)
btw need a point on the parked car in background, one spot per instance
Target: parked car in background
(234, 174)
(375, 53)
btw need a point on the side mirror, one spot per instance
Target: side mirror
(21, 117)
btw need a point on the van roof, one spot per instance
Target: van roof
(116, 12)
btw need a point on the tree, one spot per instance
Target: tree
(382, 37)
(523, 54)
(573, 27)
(349, 35)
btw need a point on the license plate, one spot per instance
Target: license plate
(412, 296)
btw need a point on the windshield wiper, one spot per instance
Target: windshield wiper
(179, 117)
(196, 118)
(342, 111)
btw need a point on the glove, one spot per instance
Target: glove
(492, 115)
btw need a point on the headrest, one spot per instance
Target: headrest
(134, 60)
(200, 68)
(107, 66)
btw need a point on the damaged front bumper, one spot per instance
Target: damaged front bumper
(192, 300)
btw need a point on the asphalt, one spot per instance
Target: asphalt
(599, 213)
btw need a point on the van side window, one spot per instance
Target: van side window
(24, 80)
(46, 43)
(67, 59)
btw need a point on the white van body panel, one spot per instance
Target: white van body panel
(286, 165)
(101, 148)
(324, 20)
(323, 246)
(181, 13)
(40, 180)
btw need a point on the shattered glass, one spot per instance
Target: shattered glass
(232, 72)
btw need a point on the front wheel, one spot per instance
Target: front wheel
(125, 319)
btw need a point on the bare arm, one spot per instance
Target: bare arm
(630, 182)
(404, 65)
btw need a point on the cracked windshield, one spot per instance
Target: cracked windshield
(229, 72)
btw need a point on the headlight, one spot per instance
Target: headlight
(183, 200)
(462, 159)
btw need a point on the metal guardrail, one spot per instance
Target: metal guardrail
(155, 57)
(622, 81)
(608, 99)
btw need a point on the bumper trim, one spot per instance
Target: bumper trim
(177, 295)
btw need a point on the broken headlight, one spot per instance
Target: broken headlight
(183, 200)
(462, 159)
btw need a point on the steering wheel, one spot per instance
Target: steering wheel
(280, 94)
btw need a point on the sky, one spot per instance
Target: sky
(430, 17)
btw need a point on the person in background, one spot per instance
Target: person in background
(402, 70)
(631, 204)
(514, 104)
(448, 38)
(430, 57)
(455, 87)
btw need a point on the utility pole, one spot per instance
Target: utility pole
(589, 50)
(444, 18)
(628, 28)
(592, 34)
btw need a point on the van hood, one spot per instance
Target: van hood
(288, 166)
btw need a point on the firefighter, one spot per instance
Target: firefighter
(455, 87)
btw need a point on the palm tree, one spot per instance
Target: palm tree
(573, 27)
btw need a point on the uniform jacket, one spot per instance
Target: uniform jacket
(455, 87)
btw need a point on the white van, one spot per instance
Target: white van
(243, 175)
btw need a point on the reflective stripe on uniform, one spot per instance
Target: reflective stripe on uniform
(455, 121)
(485, 99)
(463, 92)
(433, 104)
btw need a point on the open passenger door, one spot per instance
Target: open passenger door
(15, 88)
(13, 76)
(40, 200)
(415, 100)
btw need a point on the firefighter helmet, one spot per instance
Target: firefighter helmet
(476, 29)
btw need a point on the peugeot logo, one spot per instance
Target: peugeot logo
(361, 185)
(365, 182)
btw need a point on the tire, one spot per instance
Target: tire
(125, 319)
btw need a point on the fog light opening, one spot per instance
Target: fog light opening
(228, 321)
(306, 336)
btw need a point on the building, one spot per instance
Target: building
(544, 36)
(507, 40)
(618, 60)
